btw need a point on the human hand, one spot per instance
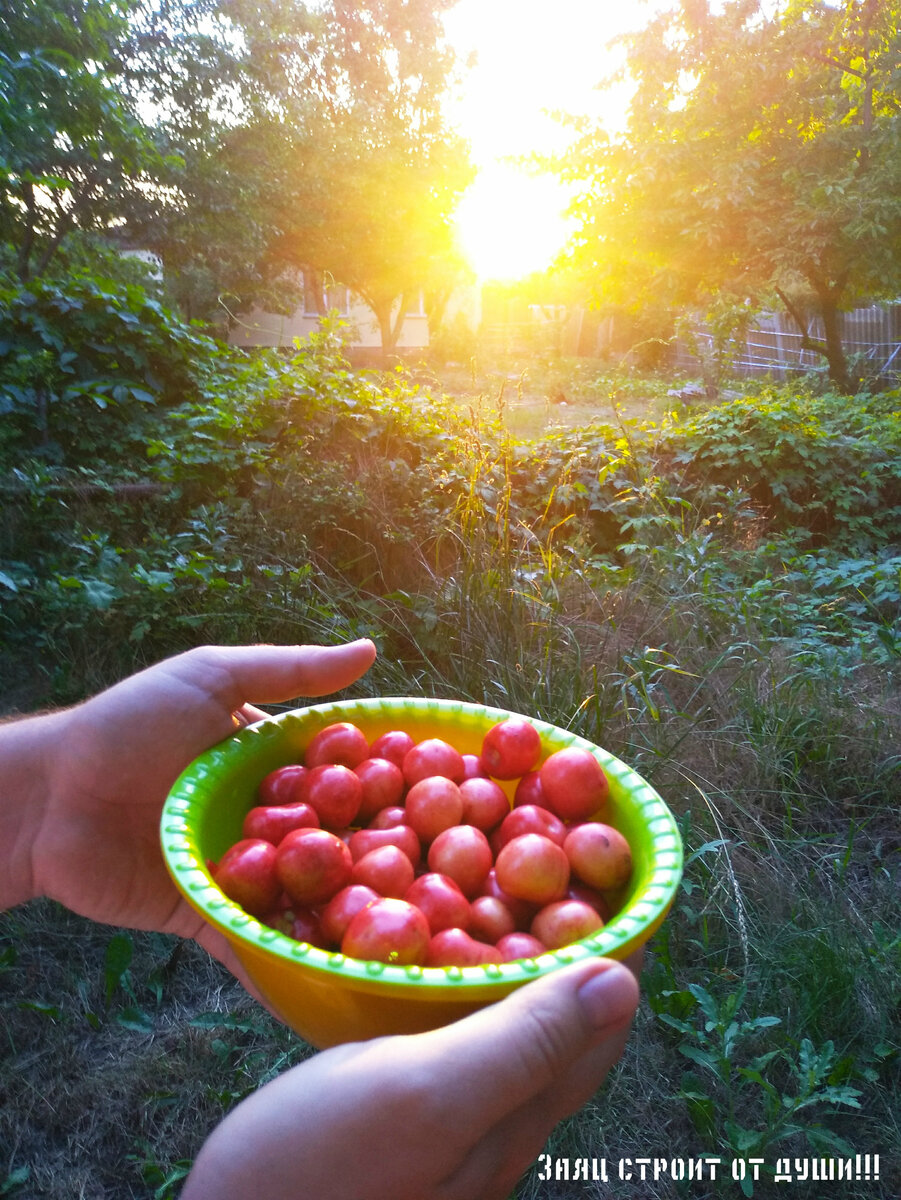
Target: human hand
(115, 757)
(456, 1114)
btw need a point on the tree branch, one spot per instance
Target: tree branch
(834, 62)
(399, 320)
(807, 342)
(65, 223)
(23, 262)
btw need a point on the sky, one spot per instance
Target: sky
(532, 57)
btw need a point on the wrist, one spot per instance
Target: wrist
(27, 757)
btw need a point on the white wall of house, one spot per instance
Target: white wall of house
(465, 302)
(261, 328)
(149, 258)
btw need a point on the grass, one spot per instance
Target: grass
(769, 1021)
(111, 1074)
(537, 396)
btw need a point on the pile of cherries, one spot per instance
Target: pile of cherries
(409, 852)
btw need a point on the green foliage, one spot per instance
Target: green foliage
(305, 434)
(373, 171)
(82, 361)
(163, 1178)
(715, 596)
(717, 1042)
(625, 580)
(74, 153)
(281, 486)
(453, 340)
(789, 190)
(737, 951)
(282, 478)
(823, 466)
(15, 1179)
(236, 141)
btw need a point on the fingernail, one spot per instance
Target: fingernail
(609, 997)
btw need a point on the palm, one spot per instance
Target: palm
(98, 848)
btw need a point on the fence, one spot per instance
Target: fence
(773, 344)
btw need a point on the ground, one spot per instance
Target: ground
(537, 395)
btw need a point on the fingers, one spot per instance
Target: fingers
(582, 1025)
(248, 714)
(463, 1109)
(510, 1147)
(236, 674)
(531, 1040)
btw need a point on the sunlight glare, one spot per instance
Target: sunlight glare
(527, 63)
(511, 224)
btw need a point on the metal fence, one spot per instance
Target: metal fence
(870, 336)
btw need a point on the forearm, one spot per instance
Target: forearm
(26, 757)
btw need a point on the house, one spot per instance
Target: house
(261, 328)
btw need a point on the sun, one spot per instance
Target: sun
(511, 224)
(527, 63)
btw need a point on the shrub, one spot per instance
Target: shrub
(84, 361)
(826, 467)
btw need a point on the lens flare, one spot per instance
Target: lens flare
(511, 224)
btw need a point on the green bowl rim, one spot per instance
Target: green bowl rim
(191, 875)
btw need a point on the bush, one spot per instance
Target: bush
(626, 582)
(827, 467)
(84, 361)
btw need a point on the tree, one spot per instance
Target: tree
(236, 138)
(218, 77)
(376, 172)
(74, 153)
(330, 155)
(94, 143)
(762, 160)
(380, 222)
(144, 122)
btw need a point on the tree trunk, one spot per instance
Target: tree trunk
(23, 263)
(389, 330)
(834, 350)
(830, 346)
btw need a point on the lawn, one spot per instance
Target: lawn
(538, 395)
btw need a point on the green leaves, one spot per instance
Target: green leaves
(15, 1179)
(85, 343)
(73, 153)
(792, 185)
(823, 464)
(116, 962)
(733, 1081)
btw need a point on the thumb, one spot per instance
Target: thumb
(236, 674)
(525, 1043)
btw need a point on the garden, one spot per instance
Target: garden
(710, 591)
(700, 575)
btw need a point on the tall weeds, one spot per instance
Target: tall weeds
(623, 581)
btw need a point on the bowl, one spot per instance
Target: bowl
(328, 998)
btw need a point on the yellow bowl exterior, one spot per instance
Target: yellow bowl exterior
(327, 998)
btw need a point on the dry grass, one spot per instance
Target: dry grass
(101, 1097)
(792, 765)
(537, 396)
